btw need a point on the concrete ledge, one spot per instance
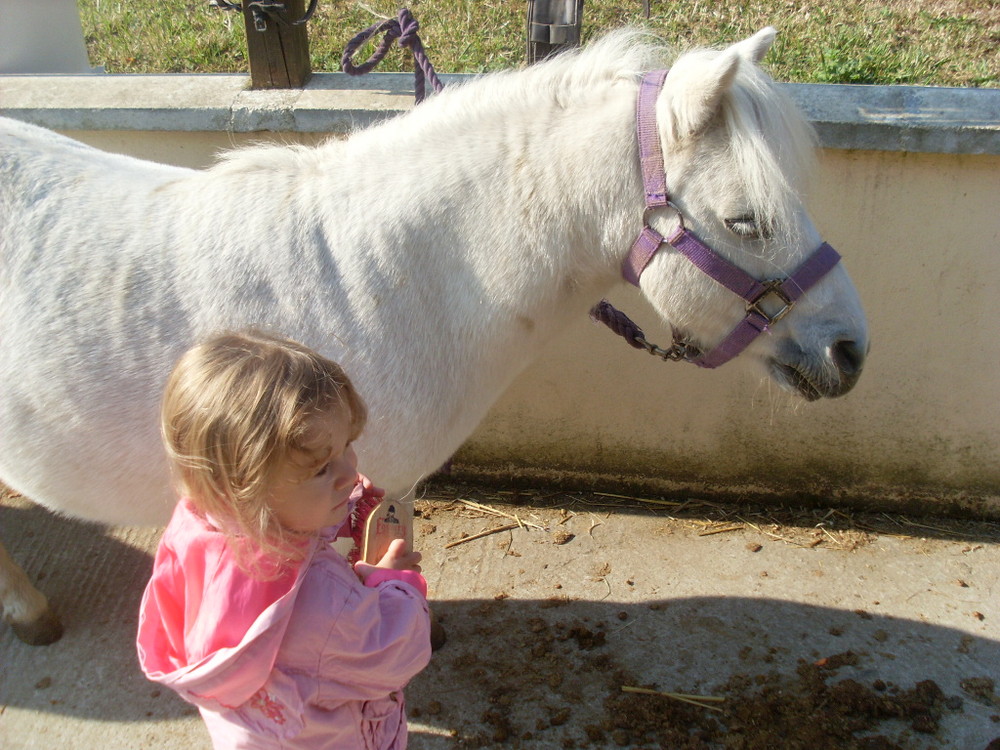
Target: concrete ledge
(330, 102)
(902, 118)
(875, 118)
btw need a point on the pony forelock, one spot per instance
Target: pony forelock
(771, 143)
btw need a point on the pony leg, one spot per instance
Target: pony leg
(25, 607)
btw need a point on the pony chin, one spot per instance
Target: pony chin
(828, 373)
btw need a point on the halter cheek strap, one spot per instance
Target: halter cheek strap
(654, 179)
(757, 320)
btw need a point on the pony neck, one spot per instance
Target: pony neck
(548, 177)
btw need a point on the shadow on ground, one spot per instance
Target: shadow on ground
(550, 674)
(94, 579)
(538, 670)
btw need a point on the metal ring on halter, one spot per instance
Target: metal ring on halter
(680, 215)
(668, 204)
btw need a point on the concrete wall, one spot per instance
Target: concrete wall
(42, 36)
(909, 193)
(920, 234)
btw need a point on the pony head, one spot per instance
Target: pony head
(737, 153)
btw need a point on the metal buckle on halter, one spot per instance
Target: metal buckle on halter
(772, 286)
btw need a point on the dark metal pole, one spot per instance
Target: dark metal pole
(553, 25)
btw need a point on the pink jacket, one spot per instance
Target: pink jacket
(313, 659)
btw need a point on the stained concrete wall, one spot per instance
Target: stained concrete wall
(908, 191)
(920, 234)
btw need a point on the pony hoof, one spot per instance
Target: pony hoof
(438, 635)
(41, 631)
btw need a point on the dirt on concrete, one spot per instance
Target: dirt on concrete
(589, 620)
(555, 678)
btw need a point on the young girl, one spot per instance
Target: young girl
(250, 614)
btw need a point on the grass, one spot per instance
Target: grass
(917, 42)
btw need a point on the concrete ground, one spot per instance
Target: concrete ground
(815, 628)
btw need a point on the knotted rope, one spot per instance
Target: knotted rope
(619, 322)
(622, 324)
(404, 28)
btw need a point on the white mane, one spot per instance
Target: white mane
(770, 142)
(622, 55)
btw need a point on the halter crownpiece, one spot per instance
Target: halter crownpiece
(757, 320)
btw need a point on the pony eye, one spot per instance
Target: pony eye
(745, 226)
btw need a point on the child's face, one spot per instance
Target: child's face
(312, 491)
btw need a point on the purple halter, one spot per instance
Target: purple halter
(649, 241)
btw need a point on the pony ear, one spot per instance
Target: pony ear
(755, 48)
(697, 86)
(696, 90)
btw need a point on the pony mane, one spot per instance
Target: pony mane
(621, 54)
(572, 77)
(265, 157)
(771, 143)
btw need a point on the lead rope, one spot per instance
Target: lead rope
(622, 324)
(404, 28)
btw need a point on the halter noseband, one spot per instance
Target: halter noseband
(649, 241)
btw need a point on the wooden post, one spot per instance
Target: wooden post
(279, 55)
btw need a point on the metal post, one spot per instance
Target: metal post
(553, 25)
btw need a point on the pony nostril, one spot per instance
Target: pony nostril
(849, 358)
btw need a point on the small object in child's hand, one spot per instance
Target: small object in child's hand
(389, 520)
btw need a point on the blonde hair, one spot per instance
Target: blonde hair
(236, 409)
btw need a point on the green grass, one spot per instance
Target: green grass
(918, 42)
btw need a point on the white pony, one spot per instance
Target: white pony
(433, 256)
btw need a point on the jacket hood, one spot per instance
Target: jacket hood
(208, 628)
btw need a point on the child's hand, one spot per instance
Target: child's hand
(395, 558)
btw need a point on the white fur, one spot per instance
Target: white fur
(433, 256)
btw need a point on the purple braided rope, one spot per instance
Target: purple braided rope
(404, 28)
(617, 321)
